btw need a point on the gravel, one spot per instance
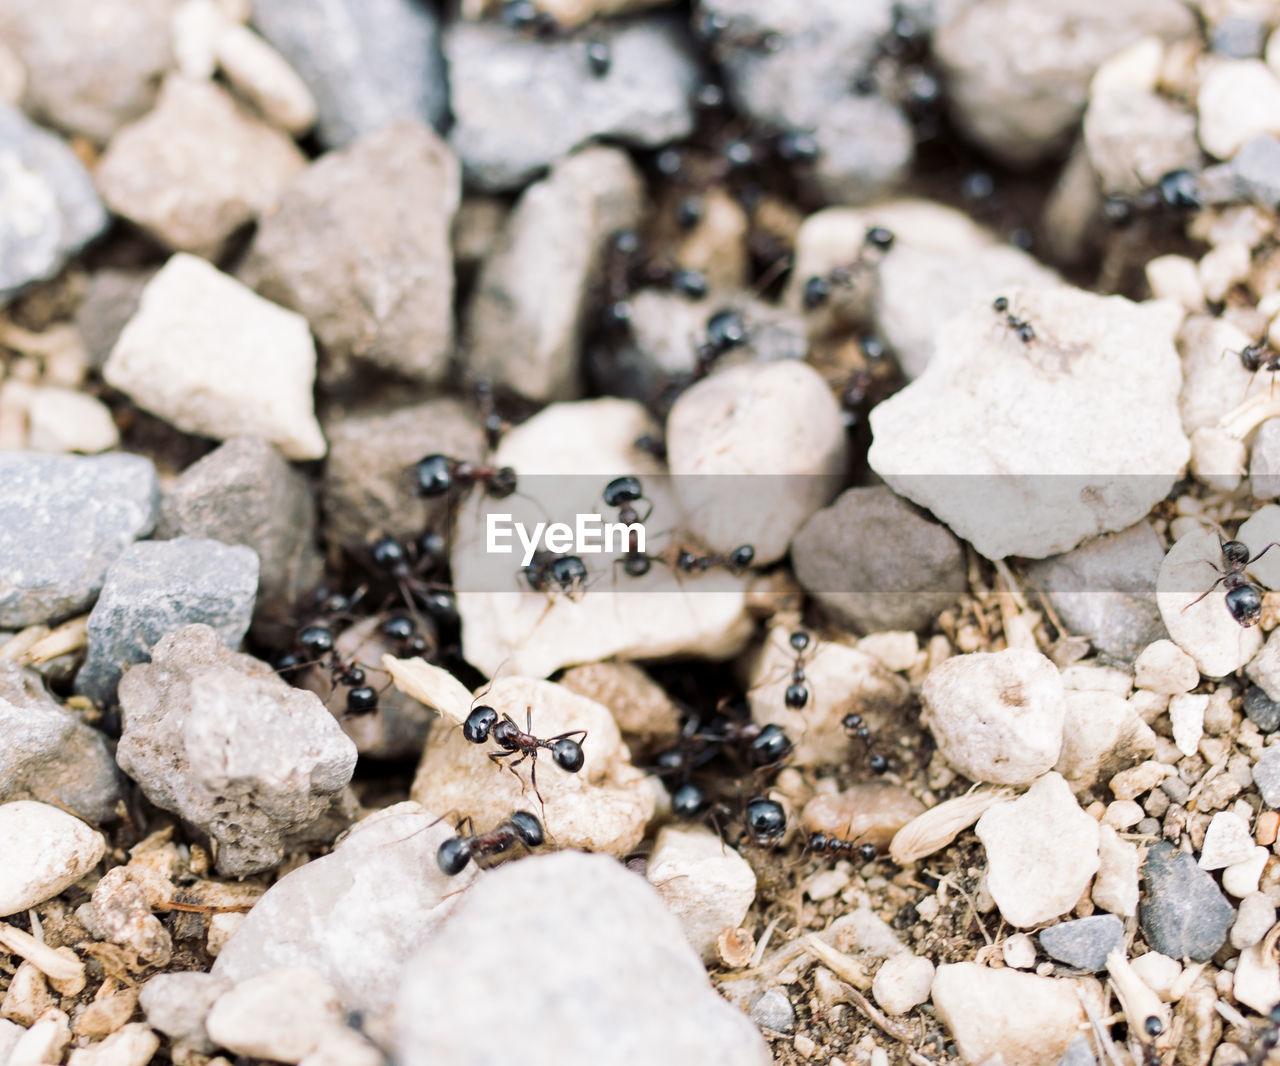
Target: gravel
(1085, 943)
(1184, 913)
(46, 850)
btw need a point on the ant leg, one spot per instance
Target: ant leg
(1264, 551)
(568, 736)
(1205, 593)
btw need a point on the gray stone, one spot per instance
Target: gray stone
(1183, 913)
(1266, 775)
(49, 754)
(48, 207)
(1257, 171)
(1261, 709)
(1080, 1053)
(1106, 590)
(368, 63)
(156, 587)
(774, 1011)
(358, 244)
(1238, 36)
(245, 493)
(602, 961)
(177, 1004)
(92, 65)
(1085, 943)
(1264, 453)
(526, 318)
(63, 520)
(520, 104)
(222, 741)
(110, 300)
(849, 557)
(366, 487)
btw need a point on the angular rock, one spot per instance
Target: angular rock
(1085, 943)
(526, 317)
(156, 587)
(997, 716)
(63, 521)
(1254, 918)
(279, 1015)
(133, 1044)
(1165, 668)
(774, 1011)
(119, 912)
(1237, 101)
(45, 850)
(1261, 709)
(903, 982)
(707, 885)
(219, 739)
(66, 420)
(505, 138)
(1004, 464)
(1042, 852)
(1266, 775)
(50, 209)
(1105, 590)
(110, 300)
(603, 960)
(1226, 841)
(358, 244)
(849, 556)
(1101, 736)
(207, 355)
(196, 168)
(1116, 887)
(368, 63)
(50, 755)
(1186, 718)
(1183, 913)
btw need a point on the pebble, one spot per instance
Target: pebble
(1080, 1052)
(1212, 385)
(1267, 826)
(367, 63)
(1026, 1020)
(895, 649)
(707, 885)
(1253, 170)
(1042, 852)
(1085, 943)
(777, 421)
(49, 754)
(1174, 277)
(356, 914)
(603, 960)
(99, 70)
(209, 356)
(155, 587)
(1019, 951)
(65, 420)
(1205, 630)
(1115, 889)
(1184, 912)
(258, 73)
(63, 521)
(370, 451)
(177, 1004)
(774, 1011)
(1123, 814)
(200, 715)
(1264, 461)
(1014, 411)
(526, 318)
(1227, 841)
(1131, 132)
(1158, 972)
(131, 1045)
(1257, 979)
(45, 1041)
(50, 209)
(196, 168)
(279, 1015)
(341, 1046)
(506, 138)
(1239, 36)
(848, 557)
(1101, 736)
(119, 912)
(1186, 717)
(1238, 99)
(1241, 878)
(997, 716)
(195, 26)
(1218, 458)
(645, 714)
(274, 514)
(110, 300)
(1165, 668)
(1105, 590)
(376, 214)
(902, 983)
(604, 807)
(839, 677)
(1132, 783)
(46, 850)
(1266, 775)
(1254, 918)
(869, 812)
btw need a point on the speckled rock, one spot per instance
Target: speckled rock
(1101, 735)
(707, 885)
(1183, 912)
(119, 912)
(1085, 943)
(46, 850)
(110, 300)
(177, 1003)
(1116, 887)
(903, 982)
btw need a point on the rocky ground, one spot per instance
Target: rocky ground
(962, 316)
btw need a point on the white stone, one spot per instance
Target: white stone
(1215, 382)
(1204, 630)
(896, 650)
(778, 422)
(1090, 677)
(132, 1045)
(1042, 852)
(1218, 459)
(1005, 463)
(280, 1015)
(826, 883)
(45, 850)
(1186, 715)
(1165, 668)
(1176, 278)
(211, 357)
(707, 884)
(1238, 100)
(1101, 735)
(44, 1042)
(1018, 951)
(342, 1046)
(1227, 841)
(1222, 268)
(997, 716)
(1123, 814)
(902, 983)
(1241, 878)
(195, 26)
(1135, 68)
(260, 74)
(66, 420)
(1257, 979)
(1255, 916)
(1260, 529)
(1158, 972)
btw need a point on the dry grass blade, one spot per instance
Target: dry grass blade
(940, 825)
(431, 686)
(52, 963)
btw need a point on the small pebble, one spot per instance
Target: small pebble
(46, 850)
(1019, 951)
(1132, 783)
(1267, 827)
(1123, 814)
(1254, 917)
(902, 983)
(131, 1045)
(1257, 979)
(707, 885)
(1226, 842)
(897, 650)
(259, 74)
(1266, 775)
(826, 883)
(1164, 667)
(1241, 878)
(119, 912)
(1184, 912)
(280, 1015)
(1174, 277)
(1101, 736)
(64, 420)
(1085, 943)
(178, 1003)
(774, 1011)
(1238, 100)
(1186, 716)
(1158, 972)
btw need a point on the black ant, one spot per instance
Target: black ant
(315, 644)
(688, 562)
(651, 444)
(625, 271)
(1244, 597)
(876, 243)
(726, 329)
(437, 475)
(548, 571)
(405, 566)
(454, 853)
(766, 822)
(1025, 331)
(483, 723)
(1176, 191)
(857, 728)
(1259, 356)
(829, 845)
(623, 493)
(797, 694)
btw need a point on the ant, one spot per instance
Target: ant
(1259, 356)
(876, 243)
(1025, 331)
(315, 644)
(625, 271)
(548, 571)
(454, 853)
(687, 562)
(766, 822)
(623, 493)
(1176, 191)
(483, 722)
(393, 559)
(524, 15)
(797, 694)
(1244, 598)
(653, 445)
(768, 745)
(437, 475)
(829, 845)
(856, 727)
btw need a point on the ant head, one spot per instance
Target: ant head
(691, 284)
(880, 237)
(726, 329)
(851, 722)
(742, 556)
(453, 856)
(1179, 190)
(796, 696)
(817, 291)
(686, 562)
(387, 553)
(1000, 304)
(363, 699)
(799, 640)
(798, 146)
(399, 628)
(622, 490)
(478, 723)
(1235, 552)
(568, 755)
(878, 764)
(315, 641)
(766, 821)
(637, 565)
(442, 607)
(689, 801)
(502, 484)
(1152, 1026)
(1245, 605)
(433, 476)
(599, 58)
(771, 745)
(569, 572)
(819, 842)
(867, 852)
(527, 828)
